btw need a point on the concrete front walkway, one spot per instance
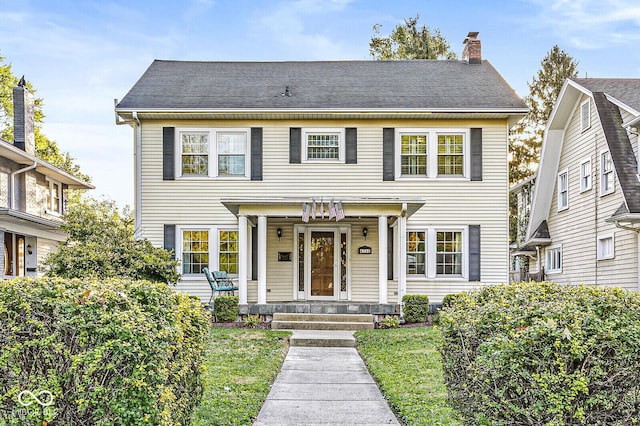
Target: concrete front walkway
(324, 386)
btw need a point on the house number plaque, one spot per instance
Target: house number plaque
(365, 250)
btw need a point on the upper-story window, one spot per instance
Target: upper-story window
(227, 156)
(324, 144)
(563, 190)
(54, 197)
(585, 175)
(585, 116)
(432, 153)
(606, 173)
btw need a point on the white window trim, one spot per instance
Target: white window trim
(601, 237)
(559, 194)
(51, 209)
(431, 255)
(582, 176)
(546, 259)
(582, 104)
(323, 131)
(213, 152)
(613, 171)
(432, 152)
(214, 244)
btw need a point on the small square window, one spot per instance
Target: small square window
(606, 246)
(324, 145)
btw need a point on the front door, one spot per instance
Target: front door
(323, 265)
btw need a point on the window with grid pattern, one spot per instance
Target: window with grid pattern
(228, 251)
(449, 253)
(563, 190)
(554, 259)
(231, 153)
(585, 175)
(323, 146)
(195, 153)
(606, 173)
(416, 252)
(195, 251)
(450, 155)
(413, 153)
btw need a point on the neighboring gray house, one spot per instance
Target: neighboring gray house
(33, 196)
(238, 166)
(585, 217)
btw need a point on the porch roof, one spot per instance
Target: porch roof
(292, 206)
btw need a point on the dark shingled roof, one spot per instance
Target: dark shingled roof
(416, 84)
(624, 160)
(625, 90)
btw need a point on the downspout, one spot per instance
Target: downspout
(137, 135)
(12, 176)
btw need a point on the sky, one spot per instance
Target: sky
(81, 55)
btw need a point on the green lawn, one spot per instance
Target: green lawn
(406, 364)
(240, 365)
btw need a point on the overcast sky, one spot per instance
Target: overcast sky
(81, 55)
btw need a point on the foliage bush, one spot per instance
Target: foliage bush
(390, 321)
(226, 308)
(416, 307)
(251, 321)
(449, 299)
(541, 353)
(110, 352)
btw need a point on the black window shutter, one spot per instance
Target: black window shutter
(351, 145)
(474, 252)
(170, 239)
(256, 153)
(295, 145)
(254, 253)
(388, 154)
(476, 154)
(168, 155)
(390, 259)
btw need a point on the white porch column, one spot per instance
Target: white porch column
(243, 257)
(382, 259)
(402, 257)
(262, 260)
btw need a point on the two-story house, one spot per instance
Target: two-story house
(332, 181)
(585, 217)
(33, 196)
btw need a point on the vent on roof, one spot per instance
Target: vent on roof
(286, 92)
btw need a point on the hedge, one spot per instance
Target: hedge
(110, 352)
(416, 307)
(226, 308)
(542, 353)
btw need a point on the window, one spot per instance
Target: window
(54, 197)
(195, 251)
(432, 153)
(554, 259)
(413, 152)
(416, 251)
(585, 175)
(563, 190)
(449, 253)
(214, 247)
(450, 155)
(606, 173)
(585, 116)
(228, 251)
(213, 152)
(324, 144)
(606, 246)
(14, 255)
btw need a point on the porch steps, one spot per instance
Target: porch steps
(299, 321)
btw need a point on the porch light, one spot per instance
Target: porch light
(365, 231)
(29, 249)
(279, 233)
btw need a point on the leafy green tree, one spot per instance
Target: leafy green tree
(46, 148)
(101, 244)
(408, 41)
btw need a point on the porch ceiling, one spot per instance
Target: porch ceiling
(292, 207)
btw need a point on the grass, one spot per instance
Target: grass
(240, 366)
(407, 366)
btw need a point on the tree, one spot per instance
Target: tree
(101, 244)
(407, 41)
(46, 149)
(526, 138)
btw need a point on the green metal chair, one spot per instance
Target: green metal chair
(219, 282)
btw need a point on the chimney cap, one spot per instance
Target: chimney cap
(22, 82)
(473, 35)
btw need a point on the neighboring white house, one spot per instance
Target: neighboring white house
(243, 166)
(33, 196)
(585, 216)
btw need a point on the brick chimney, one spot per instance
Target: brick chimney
(472, 51)
(23, 118)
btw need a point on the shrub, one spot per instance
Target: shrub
(226, 308)
(390, 321)
(450, 299)
(110, 352)
(251, 321)
(416, 307)
(541, 353)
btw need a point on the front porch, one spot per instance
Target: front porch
(304, 307)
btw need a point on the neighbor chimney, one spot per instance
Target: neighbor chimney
(472, 51)
(23, 119)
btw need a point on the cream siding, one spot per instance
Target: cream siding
(448, 202)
